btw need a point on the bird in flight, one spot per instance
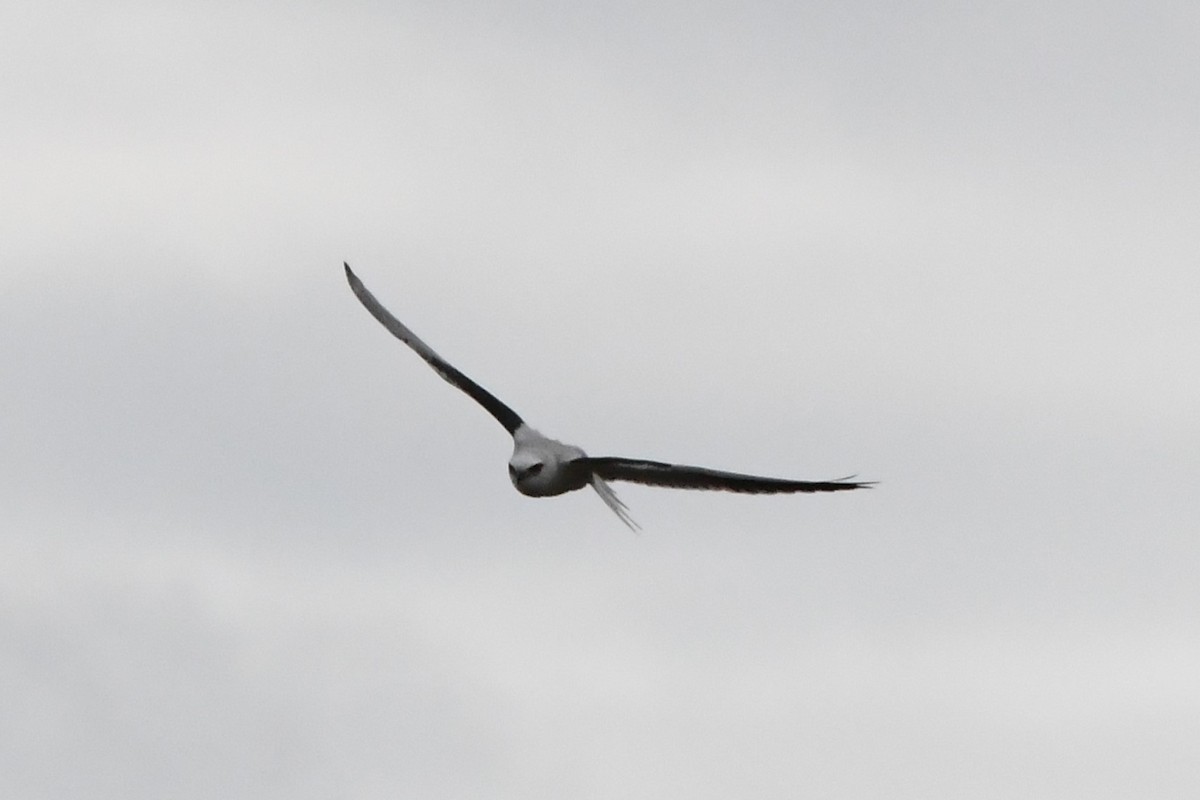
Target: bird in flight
(543, 467)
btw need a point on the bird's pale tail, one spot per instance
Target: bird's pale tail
(612, 501)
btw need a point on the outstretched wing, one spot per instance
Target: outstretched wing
(679, 476)
(505, 415)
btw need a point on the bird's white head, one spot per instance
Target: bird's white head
(541, 467)
(526, 469)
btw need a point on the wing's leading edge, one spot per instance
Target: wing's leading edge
(503, 414)
(679, 476)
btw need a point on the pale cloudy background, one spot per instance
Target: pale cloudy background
(253, 548)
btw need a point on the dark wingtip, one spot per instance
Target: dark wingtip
(355, 283)
(850, 483)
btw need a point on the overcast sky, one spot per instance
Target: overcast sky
(253, 547)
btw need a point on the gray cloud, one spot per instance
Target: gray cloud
(254, 548)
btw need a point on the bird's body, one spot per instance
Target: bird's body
(544, 467)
